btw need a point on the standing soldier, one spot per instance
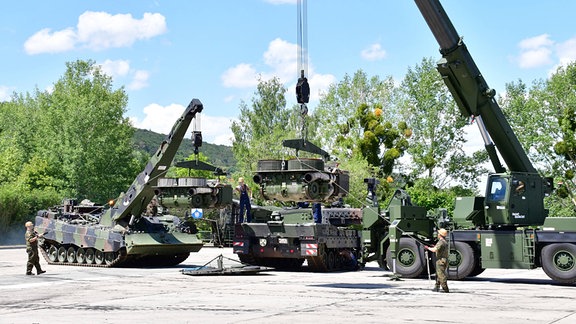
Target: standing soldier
(31, 238)
(441, 250)
(245, 194)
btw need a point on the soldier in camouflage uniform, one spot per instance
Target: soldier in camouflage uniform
(31, 238)
(441, 250)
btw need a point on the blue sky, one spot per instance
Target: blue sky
(167, 52)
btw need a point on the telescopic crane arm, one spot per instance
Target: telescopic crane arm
(471, 92)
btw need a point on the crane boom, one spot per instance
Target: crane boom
(470, 91)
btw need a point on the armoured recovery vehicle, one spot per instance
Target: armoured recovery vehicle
(132, 231)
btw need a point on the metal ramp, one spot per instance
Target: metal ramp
(219, 270)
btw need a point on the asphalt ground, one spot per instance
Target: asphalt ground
(72, 294)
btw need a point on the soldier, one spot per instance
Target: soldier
(31, 238)
(245, 194)
(441, 250)
(152, 208)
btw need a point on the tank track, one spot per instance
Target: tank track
(120, 258)
(329, 260)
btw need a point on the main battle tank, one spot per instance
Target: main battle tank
(128, 232)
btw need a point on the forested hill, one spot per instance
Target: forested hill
(218, 155)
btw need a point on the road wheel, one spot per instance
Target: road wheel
(331, 263)
(558, 262)
(409, 258)
(382, 264)
(81, 255)
(109, 257)
(99, 257)
(90, 255)
(53, 254)
(461, 261)
(71, 254)
(61, 254)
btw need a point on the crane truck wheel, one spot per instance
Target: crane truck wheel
(461, 261)
(558, 262)
(410, 260)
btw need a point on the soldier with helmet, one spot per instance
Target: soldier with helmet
(31, 238)
(441, 250)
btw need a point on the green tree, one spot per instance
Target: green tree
(83, 134)
(542, 117)
(262, 126)
(336, 113)
(357, 123)
(438, 137)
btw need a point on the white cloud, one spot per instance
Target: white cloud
(535, 58)
(121, 68)
(319, 84)
(373, 53)
(5, 93)
(46, 42)
(97, 31)
(567, 51)
(242, 75)
(536, 42)
(535, 51)
(101, 30)
(216, 130)
(117, 68)
(160, 119)
(281, 59)
(140, 80)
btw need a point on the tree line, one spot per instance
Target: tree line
(75, 141)
(411, 135)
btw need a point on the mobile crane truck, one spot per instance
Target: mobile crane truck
(509, 227)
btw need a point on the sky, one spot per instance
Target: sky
(165, 53)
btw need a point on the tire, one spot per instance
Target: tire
(410, 262)
(558, 262)
(382, 264)
(461, 261)
(477, 270)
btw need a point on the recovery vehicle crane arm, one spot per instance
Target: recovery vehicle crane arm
(140, 193)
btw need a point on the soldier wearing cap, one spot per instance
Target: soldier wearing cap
(31, 238)
(441, 250)
(245, 194)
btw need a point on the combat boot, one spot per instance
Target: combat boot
(29, 274)
(445, 289)
(436, 289)
(41, 272)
